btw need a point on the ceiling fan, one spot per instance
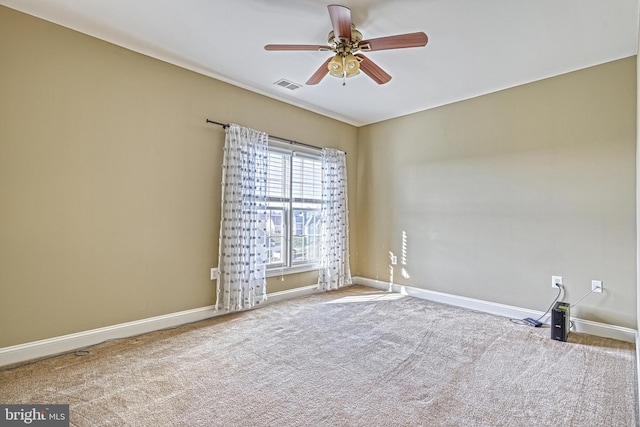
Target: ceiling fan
(345, 41)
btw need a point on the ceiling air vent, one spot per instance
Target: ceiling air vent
(287, 84)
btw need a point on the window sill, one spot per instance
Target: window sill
(277, 271)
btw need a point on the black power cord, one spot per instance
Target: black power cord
(538, 322)
(560, 289)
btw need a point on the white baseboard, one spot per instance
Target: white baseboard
(62, 344)
(581, 325)
(292, 293)
(46, 347)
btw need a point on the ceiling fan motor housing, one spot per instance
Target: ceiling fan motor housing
(356, 37)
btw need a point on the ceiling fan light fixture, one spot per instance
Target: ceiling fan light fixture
(335, 66)
(344, 66)
(352, 65)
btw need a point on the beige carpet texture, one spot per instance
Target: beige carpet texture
(353, 357)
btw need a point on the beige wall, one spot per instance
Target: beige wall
(498, 193)
(110, 180)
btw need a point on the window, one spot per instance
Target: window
(294, 196)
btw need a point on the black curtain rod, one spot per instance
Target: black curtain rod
(290, 141)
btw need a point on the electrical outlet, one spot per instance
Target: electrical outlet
(214, 273)
(596, 286)
(556, 281)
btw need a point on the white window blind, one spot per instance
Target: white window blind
(294, 192)
(278, 178)
(307, 178)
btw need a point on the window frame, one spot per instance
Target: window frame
(288, 205)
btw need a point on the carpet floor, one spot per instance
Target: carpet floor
(353, 357)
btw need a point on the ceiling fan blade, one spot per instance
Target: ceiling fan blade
(285, 47)
(320, 73)
(341, 21)
(394, 42)
(372, 70)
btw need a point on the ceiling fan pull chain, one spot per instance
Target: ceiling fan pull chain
(344, 72)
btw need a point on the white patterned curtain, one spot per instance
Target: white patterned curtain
(334, 244)
(242, 280)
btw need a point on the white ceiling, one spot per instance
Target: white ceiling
(475, 46)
